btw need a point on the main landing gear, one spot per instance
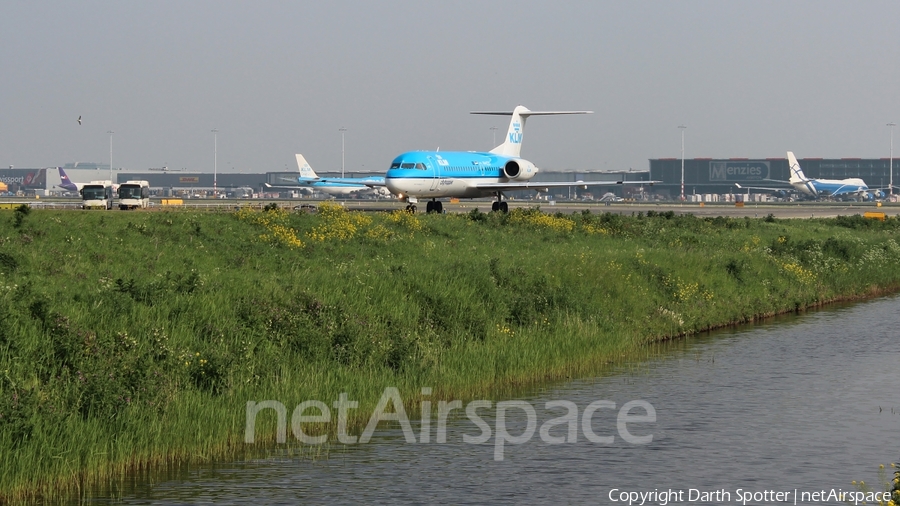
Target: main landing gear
(499, 204)
(411, 208)
(434, 206)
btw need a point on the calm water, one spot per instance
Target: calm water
(806, 403)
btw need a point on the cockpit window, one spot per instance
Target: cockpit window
(395, 165)
(407, 165)
(420, 166)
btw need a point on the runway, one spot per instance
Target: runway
(752, 210)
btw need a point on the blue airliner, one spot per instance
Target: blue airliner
(850, 187)
(310, 181)
(471, 174)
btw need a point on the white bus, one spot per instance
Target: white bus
(97, 195)
(134, 195)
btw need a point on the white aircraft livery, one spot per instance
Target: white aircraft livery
(471, 174)
(850, 187)
(310, 181)
(829, 187)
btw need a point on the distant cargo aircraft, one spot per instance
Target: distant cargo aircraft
(470, 174)
(850, 187)
(66, 183)
(311, 182)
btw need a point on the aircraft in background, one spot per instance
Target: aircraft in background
(309, 181)
(66, 183)
(850, 187)
(610, 197)
(471, 174)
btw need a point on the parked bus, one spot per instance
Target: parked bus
(134, 195)
(97, 195)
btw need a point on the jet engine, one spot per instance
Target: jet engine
(518, 169)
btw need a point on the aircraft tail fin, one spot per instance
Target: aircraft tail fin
(64, 181)
(797, 175)
(305, 170)
(512, 144)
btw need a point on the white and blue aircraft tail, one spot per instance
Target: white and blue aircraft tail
(305, 170)
(853, 187)
(471, 174)
(311, 182)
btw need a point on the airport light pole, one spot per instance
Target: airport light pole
(342, 130)
(682, 128)
(215, 132)
(892, 125)
(110, 132)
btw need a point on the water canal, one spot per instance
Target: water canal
(806, 403)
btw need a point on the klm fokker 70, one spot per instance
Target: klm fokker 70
(470, 174)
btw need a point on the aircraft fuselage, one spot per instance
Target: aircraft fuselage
(832, 187)
(459, 174)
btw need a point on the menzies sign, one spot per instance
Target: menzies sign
(738, 171)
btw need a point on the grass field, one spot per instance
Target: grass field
(133, 340)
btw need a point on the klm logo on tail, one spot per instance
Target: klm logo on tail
(515, 137)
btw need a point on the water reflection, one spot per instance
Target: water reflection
(795, 403)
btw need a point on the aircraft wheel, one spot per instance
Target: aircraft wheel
(412, 209)
(504, 207)
(438, 207)
(495, 206)
(429, 207)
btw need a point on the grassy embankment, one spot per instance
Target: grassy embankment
(134, 340)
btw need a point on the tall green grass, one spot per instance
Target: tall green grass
(133, 341)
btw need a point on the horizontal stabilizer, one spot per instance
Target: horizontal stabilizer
(512, 144)
(529, 113)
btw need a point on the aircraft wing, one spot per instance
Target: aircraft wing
(782, 189)
(880, 188)
(544, 185)
(371, 183)
(849, 189)
(291, 187)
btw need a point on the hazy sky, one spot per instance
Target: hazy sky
(749, 79)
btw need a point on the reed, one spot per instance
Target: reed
(131, 342)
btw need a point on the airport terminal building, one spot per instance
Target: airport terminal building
(718, 176)
(702, 177)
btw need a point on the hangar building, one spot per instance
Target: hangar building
(718, 176)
